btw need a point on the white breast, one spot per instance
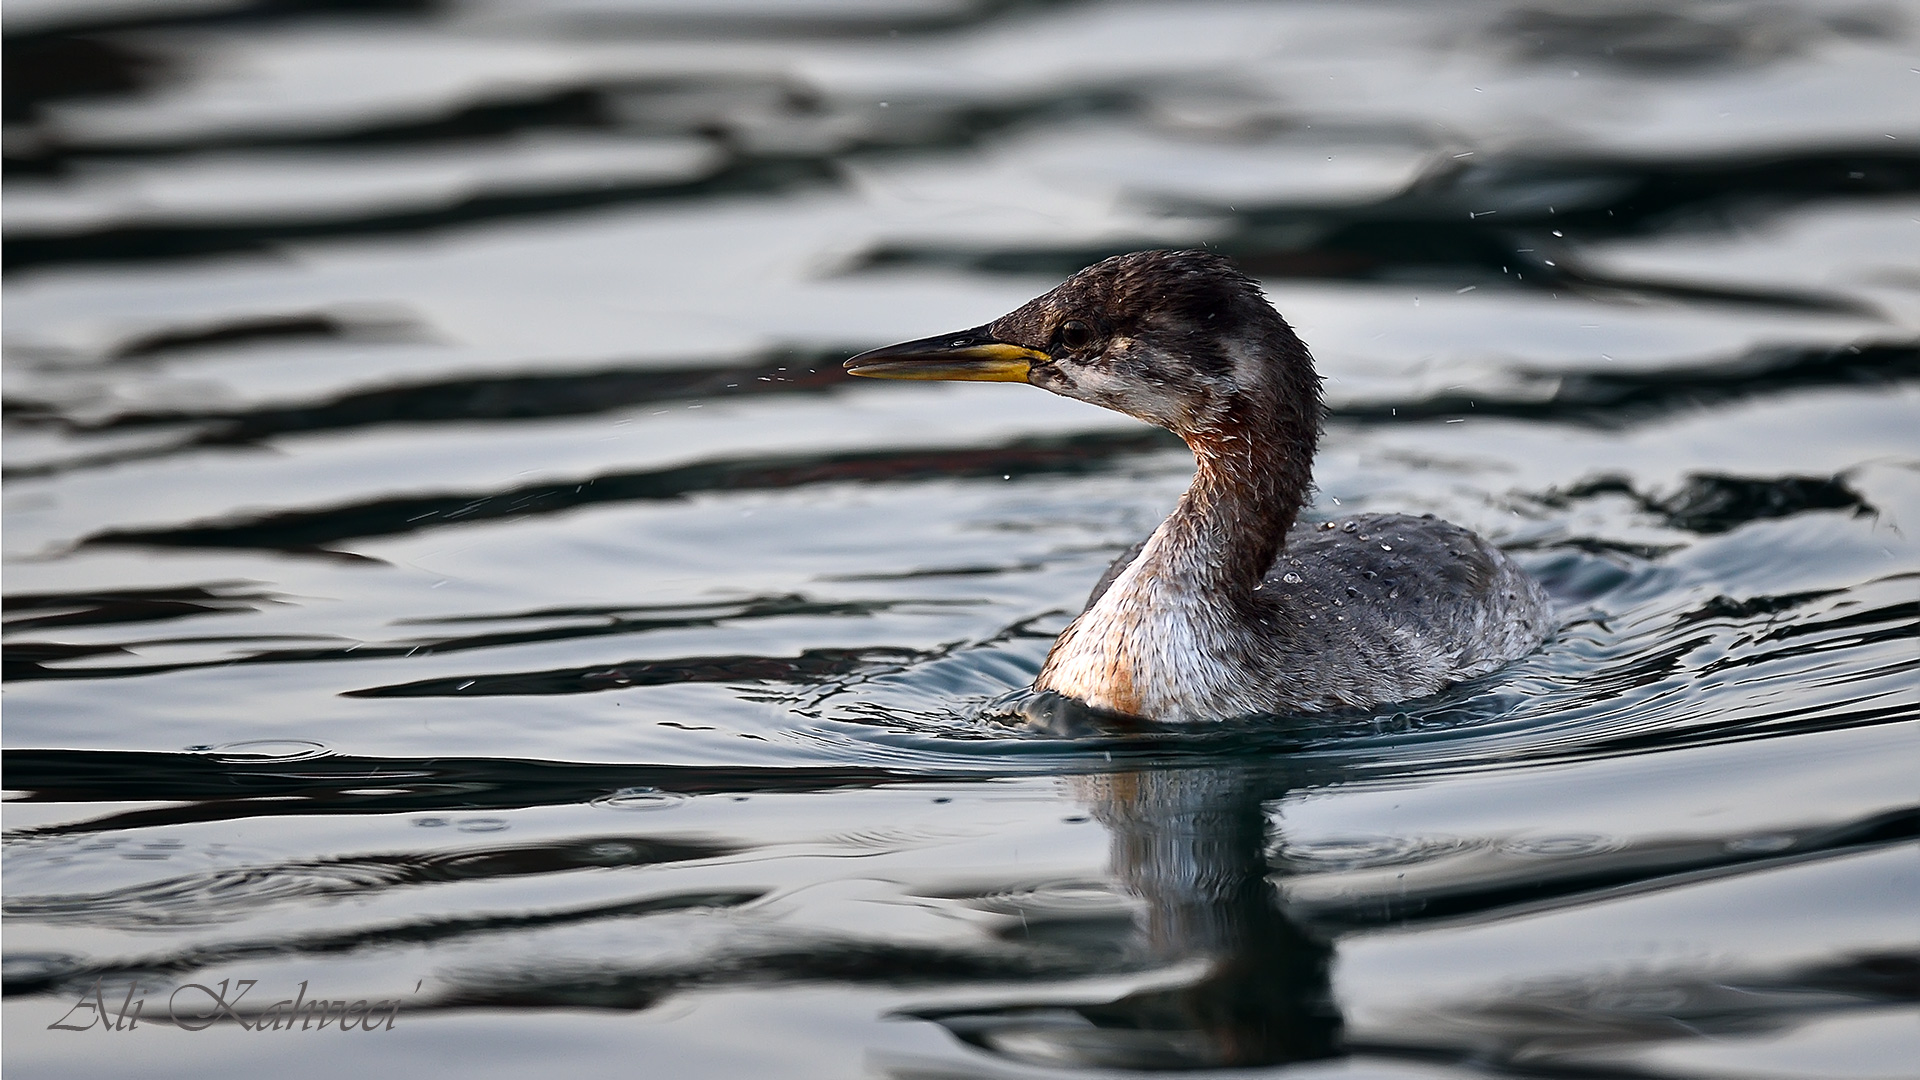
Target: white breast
(1152, 645)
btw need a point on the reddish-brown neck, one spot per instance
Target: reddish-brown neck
(1250, 481)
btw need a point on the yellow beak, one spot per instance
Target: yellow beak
(970, 356)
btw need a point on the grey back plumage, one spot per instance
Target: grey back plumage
(1375, 608)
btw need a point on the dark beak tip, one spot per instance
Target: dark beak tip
(871, 356)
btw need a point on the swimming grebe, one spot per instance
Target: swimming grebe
(1230, 608)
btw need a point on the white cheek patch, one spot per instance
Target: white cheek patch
(1118, 383)
(1126, 395)
(1155, 403)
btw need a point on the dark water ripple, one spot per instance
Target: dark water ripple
(1517, 224)
(313, 529)
(160, 242)
(1602, 396)
(223, 790)
(224, 895)
(26, 660)
(37, 610)
(50, 976)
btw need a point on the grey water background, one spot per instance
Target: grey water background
(445, 563)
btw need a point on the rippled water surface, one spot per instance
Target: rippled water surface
(447, 570)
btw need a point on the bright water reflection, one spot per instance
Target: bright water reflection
(446, 565)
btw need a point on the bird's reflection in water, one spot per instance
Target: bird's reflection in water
(1191, 845)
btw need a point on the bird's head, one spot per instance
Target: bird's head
(1180, 339)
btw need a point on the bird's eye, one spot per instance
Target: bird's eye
(1075, 334)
